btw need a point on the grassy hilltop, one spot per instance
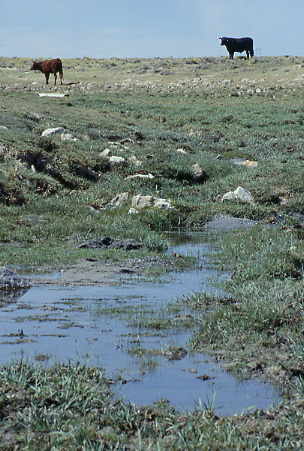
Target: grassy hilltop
(145, 111)
(162, 116)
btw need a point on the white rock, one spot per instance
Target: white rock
(68, 137)
(140, 176)
(116, 159)
(105, 153)
(43, 94)
(239, 194)
(181, 151)
(141, 201)
(53, 131)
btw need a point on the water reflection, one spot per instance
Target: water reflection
(9, 296)
(66, 323)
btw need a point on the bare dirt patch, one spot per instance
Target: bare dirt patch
(100, 272)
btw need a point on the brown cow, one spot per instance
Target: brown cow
(47, 67)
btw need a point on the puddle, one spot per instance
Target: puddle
(69, 324)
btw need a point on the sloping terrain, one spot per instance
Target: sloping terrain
(188, 132)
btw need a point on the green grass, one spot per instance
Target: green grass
(261, 320)
(215, 110)
(71, 407)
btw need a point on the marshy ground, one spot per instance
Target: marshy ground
(161, 117)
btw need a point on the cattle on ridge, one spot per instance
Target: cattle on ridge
(47, 67)
(238, 45)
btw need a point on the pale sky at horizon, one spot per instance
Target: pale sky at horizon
(147, 29)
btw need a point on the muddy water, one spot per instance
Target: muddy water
(69, 324)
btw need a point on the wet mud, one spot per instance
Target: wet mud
(95, 312)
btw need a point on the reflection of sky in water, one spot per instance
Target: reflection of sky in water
(65, 323)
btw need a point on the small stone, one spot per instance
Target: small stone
(197, 173)
(68, 137)
(243, 162)
(53, 131)
(105, 153)
(116, 159)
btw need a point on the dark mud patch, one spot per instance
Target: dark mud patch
(107, 242)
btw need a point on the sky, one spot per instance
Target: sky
(147, 28)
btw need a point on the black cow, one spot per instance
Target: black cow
(238, 45)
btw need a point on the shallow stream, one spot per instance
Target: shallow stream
(51, 323)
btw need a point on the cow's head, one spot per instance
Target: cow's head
(224, 40)
(34, 66)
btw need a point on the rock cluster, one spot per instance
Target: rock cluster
(65, 136)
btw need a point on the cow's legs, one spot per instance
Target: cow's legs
(55, 76)
(47, 79)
